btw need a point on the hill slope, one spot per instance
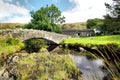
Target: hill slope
(10, 25)
(79, 25)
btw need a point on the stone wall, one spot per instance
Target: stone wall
(25, 34)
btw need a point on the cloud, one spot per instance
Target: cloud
(85, 9)
(17, 3)
(8, 10)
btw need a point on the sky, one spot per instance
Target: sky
(18, 11)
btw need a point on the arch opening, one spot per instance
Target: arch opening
(35, 44)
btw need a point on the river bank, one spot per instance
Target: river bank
(67, 61)
(105, 47)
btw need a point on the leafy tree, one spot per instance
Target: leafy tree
(97, 24)
(112, 18)
(91, 23)
(94, 23)
(47, 18)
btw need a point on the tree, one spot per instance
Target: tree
(47, 18)
(96, 24)
(112, 18)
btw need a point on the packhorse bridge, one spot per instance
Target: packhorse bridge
(25, 34)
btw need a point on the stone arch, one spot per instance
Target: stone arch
(49, 41)
(25, 34)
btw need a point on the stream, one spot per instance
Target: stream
(91, 69)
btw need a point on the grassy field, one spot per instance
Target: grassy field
(95, 40)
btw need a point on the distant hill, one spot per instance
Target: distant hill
(10, 25)
(76, 26)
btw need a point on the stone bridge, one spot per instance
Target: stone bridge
(25, 34)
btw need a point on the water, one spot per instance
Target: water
(91, 69)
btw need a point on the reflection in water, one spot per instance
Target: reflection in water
(91, 69)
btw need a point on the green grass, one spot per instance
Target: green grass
(97, 40)
(9, 45)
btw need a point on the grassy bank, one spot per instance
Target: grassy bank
(45, 66)
(35, 66)
(95, 40)
(9, 45)
(106, 47)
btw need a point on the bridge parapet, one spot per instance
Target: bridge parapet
(25, 34)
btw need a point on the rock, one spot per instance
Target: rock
(15, 59)
(4, 75)
(82, 49)
(50, 79)
(95, 48)
(1, 72)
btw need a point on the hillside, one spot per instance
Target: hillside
(10, 25)
(79, 25)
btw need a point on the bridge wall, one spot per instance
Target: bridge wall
(25, 34)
